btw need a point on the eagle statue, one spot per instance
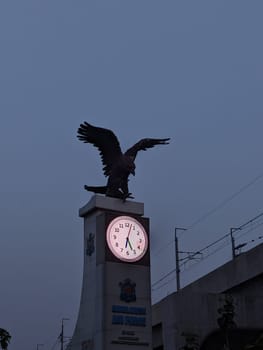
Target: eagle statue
(117, 165)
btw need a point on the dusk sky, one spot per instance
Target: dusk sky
(188, 70)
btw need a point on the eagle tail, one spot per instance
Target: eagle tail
(96, 189)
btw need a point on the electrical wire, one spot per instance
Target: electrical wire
(162, 285)
(55, 344)
(163, 248)
(215, 209)
(224, 245)
(228, 234)
(185, 269)
(209, 246)
(165, 276)
(225, 201)
(227, 243)
(250, 230)
(252, 240)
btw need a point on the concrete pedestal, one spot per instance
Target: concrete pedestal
(115, 306)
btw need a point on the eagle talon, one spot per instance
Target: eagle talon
(126, 196)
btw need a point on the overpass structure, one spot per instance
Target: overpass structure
(195, 309)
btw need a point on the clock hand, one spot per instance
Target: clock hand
(127, 239)
(130, 244)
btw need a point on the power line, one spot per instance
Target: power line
(212, 253)
(227, 243)
(228, 234)
(215, 209)
(250, 230)
(162, 285)
(251, 241)
(163, 247)
(250, 221)
(161, 279)
(225, 201)
(165, 276)
(213, 243)
(55, 344)
(209, 246)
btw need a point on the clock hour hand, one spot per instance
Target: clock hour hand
(130, 244)
(127, 239)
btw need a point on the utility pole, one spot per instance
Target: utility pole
(177, 260)
(62, 333)
(233, 229)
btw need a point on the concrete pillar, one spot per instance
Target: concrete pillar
(115, 306)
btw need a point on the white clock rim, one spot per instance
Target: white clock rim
(125, 217)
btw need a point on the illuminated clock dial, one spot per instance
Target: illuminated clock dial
(127, 238)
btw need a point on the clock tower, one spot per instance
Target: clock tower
(115, 306)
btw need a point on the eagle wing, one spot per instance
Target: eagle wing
(143, 144)
(106, 142)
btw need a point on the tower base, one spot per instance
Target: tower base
(115, 306)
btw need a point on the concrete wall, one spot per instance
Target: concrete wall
(194, 309)
(245, 267)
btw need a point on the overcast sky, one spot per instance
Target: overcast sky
(188, 70)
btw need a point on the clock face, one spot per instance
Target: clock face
(127, 238)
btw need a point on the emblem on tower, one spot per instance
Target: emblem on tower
(128, 291)
(90, 244)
